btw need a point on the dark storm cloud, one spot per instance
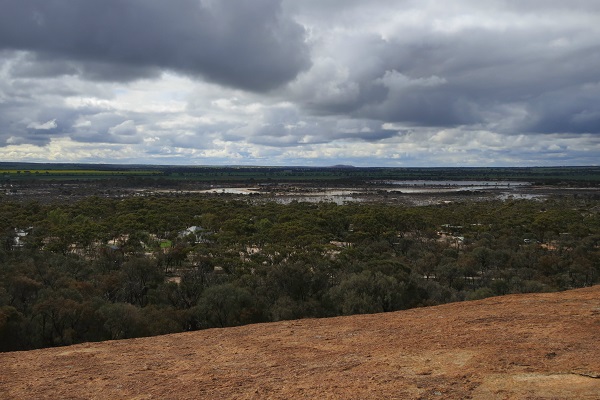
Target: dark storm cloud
(466, 65)
(241, 43)
(456, 79)
(46, 65)
(570, 110)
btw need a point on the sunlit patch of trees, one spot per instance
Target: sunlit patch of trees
(105, 269)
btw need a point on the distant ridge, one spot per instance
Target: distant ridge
(342, 166)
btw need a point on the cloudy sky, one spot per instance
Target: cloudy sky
(301, 82)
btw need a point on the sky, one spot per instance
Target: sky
(301, 82)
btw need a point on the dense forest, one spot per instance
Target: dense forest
(102, 268)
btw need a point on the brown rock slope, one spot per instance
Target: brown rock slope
(542, 346)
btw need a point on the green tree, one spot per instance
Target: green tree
(138, 276)
(10, 329)
(225, 305)
(122, 321)
(368, 292)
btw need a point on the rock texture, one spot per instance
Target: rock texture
(535, 346)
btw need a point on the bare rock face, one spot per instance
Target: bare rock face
(535, 346)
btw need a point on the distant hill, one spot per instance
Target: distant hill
(342, 166)
(536, 346)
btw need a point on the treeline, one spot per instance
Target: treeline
(148, 174)
(105, 269)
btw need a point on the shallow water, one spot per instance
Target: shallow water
(398, 191)
(465, 184)
(231, 190)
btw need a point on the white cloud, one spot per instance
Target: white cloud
(394, 80)
(43, 126)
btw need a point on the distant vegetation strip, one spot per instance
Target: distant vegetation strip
(80, 172)
(589, 175)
